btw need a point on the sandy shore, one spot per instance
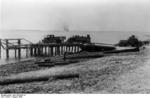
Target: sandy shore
(29, 65)
(100, 75)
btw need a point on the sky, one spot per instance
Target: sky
(75, 15)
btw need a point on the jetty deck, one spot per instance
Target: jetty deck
(41, 49)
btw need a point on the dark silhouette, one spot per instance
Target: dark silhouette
(131, 41)
(53, 39)
(79, 39)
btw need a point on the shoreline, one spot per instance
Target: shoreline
(29, 64)
(100, 72)
(13, 60)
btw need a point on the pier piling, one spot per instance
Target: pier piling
(40, 49)
(15, 53)
(7, 50)
(19, 49)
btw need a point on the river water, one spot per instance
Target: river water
(110, 37)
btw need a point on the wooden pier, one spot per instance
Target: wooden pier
(49, 49)
(53, 49)
(40, 49)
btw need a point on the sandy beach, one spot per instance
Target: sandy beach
(108, 74)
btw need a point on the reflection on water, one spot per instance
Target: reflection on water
(6, 61)
(12, 58)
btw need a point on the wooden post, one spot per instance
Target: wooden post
(39, 51)
(72, 49)
(62, 50)
(77, 48)
(49, 51)
(45, 51)
(42, 51)
(36, 51)
(55, 51)
(52, 51)
(35, 54)
(65, 56)
(19, 49)
(27, 51)
(66, 49)
(58, 50)
(15, 53)
(69, 49)
(31, 51)
(7, 50)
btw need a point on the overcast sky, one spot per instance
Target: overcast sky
(95, 15)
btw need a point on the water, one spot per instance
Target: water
(12, 58)
(110, 37)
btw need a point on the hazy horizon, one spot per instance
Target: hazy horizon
(117, 19)
(111, 37)
(80, 15)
